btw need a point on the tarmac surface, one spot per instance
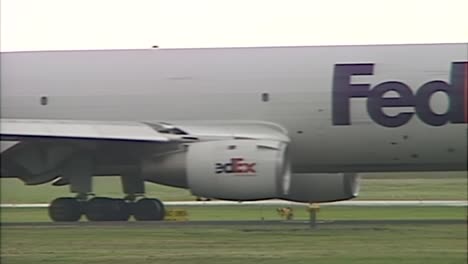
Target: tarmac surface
(234, 223)
(384, 203)
(255, 223)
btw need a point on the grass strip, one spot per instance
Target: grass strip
(411, 244)
(254, 212)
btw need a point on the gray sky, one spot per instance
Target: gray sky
(108, 24)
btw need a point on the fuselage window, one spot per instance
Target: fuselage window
(44, 100)
(265, 97)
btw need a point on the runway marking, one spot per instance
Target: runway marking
(383, 203)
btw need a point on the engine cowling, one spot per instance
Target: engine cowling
(34, 162)
(243, 170)
(238, 169)
(322, 187)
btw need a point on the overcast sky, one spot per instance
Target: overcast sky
(109, 24)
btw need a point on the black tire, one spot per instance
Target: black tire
(97, 209)
(148, 210)
(124, 211)
(107, 209)
(65, 209)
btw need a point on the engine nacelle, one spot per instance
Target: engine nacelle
(238, 169)
(243, 170)
(33, 162)
(322, 187)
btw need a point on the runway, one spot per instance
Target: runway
(227, 223)
(286, 203)
(257, 223)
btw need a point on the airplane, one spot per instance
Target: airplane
(241, 124)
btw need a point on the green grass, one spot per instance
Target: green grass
(14, 191)
(411, 244)
(393, 186)
(251, 212)
(414, 189)
(330, 244)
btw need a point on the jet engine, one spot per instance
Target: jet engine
(238, 169)
(243, 170)
(322, 187)
(34, 163)
(227, 169)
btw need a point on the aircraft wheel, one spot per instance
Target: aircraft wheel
(148, 210)
(65, 209)
(107, 209)
(124, 211)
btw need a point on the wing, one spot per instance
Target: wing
(34, 150)
(28, 129)
(25, 129)
(37, 150)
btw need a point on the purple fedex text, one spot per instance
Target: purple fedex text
(344, 91)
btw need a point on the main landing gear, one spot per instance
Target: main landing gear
(106, 209)
(79, 172)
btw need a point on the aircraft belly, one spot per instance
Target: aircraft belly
(416, 147)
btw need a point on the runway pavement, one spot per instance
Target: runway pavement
(283, 203)
(255, 222)
(226, 223)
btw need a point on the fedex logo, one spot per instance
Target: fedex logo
(343, 91)
(235, 165)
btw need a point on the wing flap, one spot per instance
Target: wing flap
(18, 129)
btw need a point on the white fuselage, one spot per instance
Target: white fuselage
(290, 86)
